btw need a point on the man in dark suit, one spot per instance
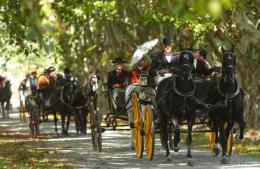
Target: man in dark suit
(117, 80)
(163, 61)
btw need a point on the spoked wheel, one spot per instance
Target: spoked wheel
(108, 120)
(96, 132)
(149, 132)
(33, 120)
(212, 138)
(36, 120)
(99, 131)
(93, 130)
(138, 138)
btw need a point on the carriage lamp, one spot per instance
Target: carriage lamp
(143, 80)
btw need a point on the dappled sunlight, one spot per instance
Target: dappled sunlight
(77, 150)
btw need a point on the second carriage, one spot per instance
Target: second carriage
(133, 105)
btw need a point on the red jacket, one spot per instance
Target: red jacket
(134, 75)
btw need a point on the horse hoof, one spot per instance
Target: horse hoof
(169, 158)
(176, 149)
(216, 149)
(225, 160)
(189, 162)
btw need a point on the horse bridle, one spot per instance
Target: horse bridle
(229, 66)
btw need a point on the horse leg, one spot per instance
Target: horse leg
(164, 135)
(68, 123)
(55, 121)
(7, 108)
(177, 132)
(77, 121)
(217, 145)
(224, 159)
(84, 121)
(242, 126)
(3, 109)
(63, 123)
(189, 142)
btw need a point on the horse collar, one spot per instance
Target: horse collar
(229, 96)
(183, 94)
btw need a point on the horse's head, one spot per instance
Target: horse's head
(183, 83)
(228, 66)
(7, 84)
(186, 64)
(93, 81)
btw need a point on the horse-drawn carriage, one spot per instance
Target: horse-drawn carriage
(145, 112)
(137, 109)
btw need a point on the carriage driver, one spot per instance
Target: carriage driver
(117, 79)
(163, 62)
(68, 78)
(70, 84)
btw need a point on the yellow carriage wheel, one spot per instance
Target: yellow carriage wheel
(138, 138)
(229, 141)
(148, 133)
(212, 137)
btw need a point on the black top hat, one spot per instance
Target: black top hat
(66, 70)
(118, 60)
(166, 41)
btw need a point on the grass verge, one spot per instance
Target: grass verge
(18, 155)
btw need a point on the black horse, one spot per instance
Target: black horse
(81, 102)
(176, 103)
(56, 100)
(226, 96)
(5, 96)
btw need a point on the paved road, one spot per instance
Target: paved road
(77, 150)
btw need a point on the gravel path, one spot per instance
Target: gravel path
(77, 150)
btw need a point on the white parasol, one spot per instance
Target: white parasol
(141, 50)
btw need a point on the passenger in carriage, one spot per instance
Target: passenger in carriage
(117, 79)
(201, 66)
(68, 78)
(33, 82)
(163, 62)
(46, 82)
(139, 68)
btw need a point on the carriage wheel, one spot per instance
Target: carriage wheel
(31, 125)
(99, 131)
(37, 121)
(93, 130)
(212, 137)
(138, 138)
(108, 120)
(114, 123)
(149, 133)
